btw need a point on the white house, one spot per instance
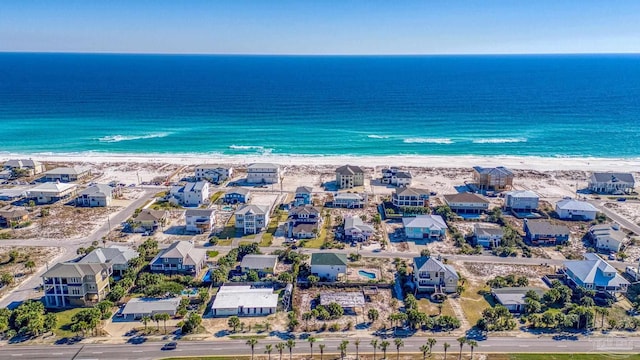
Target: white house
(488, 236)
(137, 308)
(572, 209)
(607, 237)
(397, 177)
(244, 301)
(27, 166)
(199, 220)
(192, 193)
(214, 173)
(349, 200)
(67, 174)
(431, 275)
(95, 195)
(328, 266)
(408, 196)
(356, 229)
(251, 218)
(521, 200)
(46, 193)
(263, 174)
(424, 227)
(611, 183)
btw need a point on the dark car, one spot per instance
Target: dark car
(170, 346)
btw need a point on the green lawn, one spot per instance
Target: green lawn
(229, 230)
(267, 240)
(64, 321)
(212, 253)
(431, 308)
(474, 303)
(225, 242)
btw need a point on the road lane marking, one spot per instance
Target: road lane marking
(137, 351)
(16, 355)
(97, 352)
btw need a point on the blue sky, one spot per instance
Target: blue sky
(321, 27)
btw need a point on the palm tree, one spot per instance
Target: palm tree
(145, 320)
(374, 343)
(472, 345)
(321, 346)
(604, 312)
(280, 347)
(311, 340)
(399, 343)
(268, 349)
(461, 340)
(343, 348)
(357, 345)
(432, 342)
(163, 317)
(383, 346)
(290, 345)
(424, 349)
(30, 265)
(252, 342)
(156, 318)
(446, 347)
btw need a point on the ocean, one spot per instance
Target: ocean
(533, 105)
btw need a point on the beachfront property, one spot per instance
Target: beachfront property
(237, 195)
(251, 218)
(432, 227)
(6, 174)
(467, 203)
(149, 220)
(513, 298)
(356, 230)
(95, 196)
(544, 232)
(349, 176)
(350, 200)
(408, 196)
(47, 193)
(137, 308)
(191, 193)
(397, 177)
(213, 173)
(607, 237)
(199, 221)
(487, 236)
(302, 196)
(430, 275)
(492, 179)
(262, 264)
(521, 201)
(67, 174)
(263, 173)
(303, 222)
(19, 167)
(611, 183)
(11, 217)
(594, 273)
(571, 209)
(72, 284)
(328, 266)
(181, 257)
(244, 301)
(118, 257)
(12, 194)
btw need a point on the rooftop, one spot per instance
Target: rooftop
(546, 227)
(68, 170)
(465, 197)
(199, 212)
(98, 189)
(151, 215)
(428, 263)
(233, 297)
(182, 250)
(262, 166)
(112, 255)
(594, 270)
(150, 305)
(409, 191)
(514, 295)
(613, 177)
(500, 170)
(487, 230)
(69, 269)
(53, 187)
(259, 261)
(425, 221)
(252, 209)
(237, 190)
(328, 259)
(349, 170)
(522, 194)
(575, 205)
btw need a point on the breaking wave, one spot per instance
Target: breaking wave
(427, 141)
(119, 138)
(499, 140)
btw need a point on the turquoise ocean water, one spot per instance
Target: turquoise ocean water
(548, 106)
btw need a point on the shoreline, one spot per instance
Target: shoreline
(425, 161)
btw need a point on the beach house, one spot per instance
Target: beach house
(28, 167)
(397, 177)
(262, 264)
(118, 257)
(303, 222)
(431, 227)
(356, 230)
(521, 201)
(408, 196)
(349, 176)
(513, 298)
(95, 196)
(191, 193)
(244, 301)
(302, 196)
(199, 221)
(149, 220)
(72, 284)
(607, 237)
(237, 195)
(181, 257)
(611, 183)
(492, 179)
(488, 236)
(11, 217)
(137, 308)
(571, 209)
(328, 266)
(263, 173)
(251, 219)
(67, 174)
(593, 273)
(467, 203)
(544, 232)
(213, 173)
(350, 200)
(47, 193)
(431, 275)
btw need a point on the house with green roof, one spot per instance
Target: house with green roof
(328, 266)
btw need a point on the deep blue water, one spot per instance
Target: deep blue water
(546, 105)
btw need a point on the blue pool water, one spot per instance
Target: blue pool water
(189, 292)
(367, 274)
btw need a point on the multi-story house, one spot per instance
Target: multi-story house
(95, 195)
(263, 174)
(571, 209)
(328, 266)
(302, 196)
(544, 232)
(488, 236)
(303, 222)
(467, 203)
(149, 220)
(75, 284)
(251, 218)
(611, 183)
(118, 257)
(181, 257)
(356, 230)
(425, 227)
(24, 166)
(192, 193)
(350, 200)
(494, 179)
(13, 216)
(262, 264)
(593, 273)
(349, 176)
(199, 220)
(410, 197)
(213, 173)
(237, 196)
(67, 174)
(431, 275)
(607, 237)
(397, 177)
(47, 193)
(521, 201)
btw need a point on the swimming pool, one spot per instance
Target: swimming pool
(189, 292)
(367, 274)
(227, 208)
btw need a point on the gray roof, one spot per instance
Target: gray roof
(212, 166)
(356, 222)
(425, 221)
(112, 255)
(409, 191)
(182, 250)
(607, 232)
(576, 205)
(349, 170)
(232, 297)
(592, 271)
(68, 170)
(404, 175)
(151, 215)
(305, 227)
(603, 177)
(545, 227)
(199, 212)
(304, 209)
(427, 263)
(237, 190)
(10, 212)
(328, 258)
(98, 189)
(527, 194)
(151, 305)
(53, 187)
(514, 295)
(69, 269)
(480, 229)
(252, 209)
(262, 166)
(259, 261)
(496, 170)
(465, 197)
(352, 196)
(21, 163)
(303, 190)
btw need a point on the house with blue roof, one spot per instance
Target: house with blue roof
(425, 227)
(593, 273)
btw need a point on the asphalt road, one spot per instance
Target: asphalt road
(153, 350)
